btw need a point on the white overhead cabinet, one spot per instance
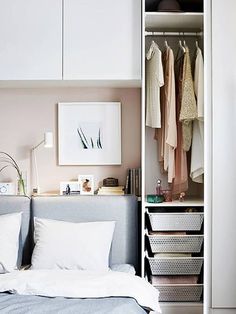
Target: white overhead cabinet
(102, 40)
(31, 39)
(224, 157)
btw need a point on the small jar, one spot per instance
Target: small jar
(167, 195)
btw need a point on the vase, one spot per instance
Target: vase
(21, 186)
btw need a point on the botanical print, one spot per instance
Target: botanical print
(90, 135)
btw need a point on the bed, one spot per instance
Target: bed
(76, 209)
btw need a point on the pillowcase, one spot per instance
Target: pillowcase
(10, 225)
(68, 245)
(124, 268)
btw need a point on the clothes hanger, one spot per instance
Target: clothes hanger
(181, 45)
(181, 48)
(165, 42)
(184, 42)
(196, 43)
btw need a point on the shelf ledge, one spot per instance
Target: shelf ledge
(165, 21)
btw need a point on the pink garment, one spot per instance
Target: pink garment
(180, 183)
(167, 136)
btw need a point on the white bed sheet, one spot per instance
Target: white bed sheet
(81, 284)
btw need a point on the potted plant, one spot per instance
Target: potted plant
(8, 161)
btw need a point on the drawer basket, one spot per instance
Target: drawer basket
(175, 265)
(180, 293)
(175, 243)
(176, 221)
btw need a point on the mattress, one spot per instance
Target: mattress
(23, 304)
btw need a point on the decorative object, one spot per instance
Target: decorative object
(158, 188)
(110, 182)
(153, 198)
(182, 196)
(86, 183)
(167, 195)
(8, 161)
(89, 133)
(69, 188)
(169, 6)
(7, 188)
(47, 142)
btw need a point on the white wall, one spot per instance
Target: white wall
(25, 114)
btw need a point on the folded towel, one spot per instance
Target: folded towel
(162, 255)
(174, 280)
(168, 233)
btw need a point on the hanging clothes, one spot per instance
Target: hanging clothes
(167, 136)
(188, 111)
(154, 80)
(180, 183)
(197, 154)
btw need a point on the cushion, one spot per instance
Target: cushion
(68, 245)
(124, 268)
(10, 225)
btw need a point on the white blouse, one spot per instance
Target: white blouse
(197, 157)
(154, 80)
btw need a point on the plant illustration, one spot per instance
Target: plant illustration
(8, 161)
(88, 142)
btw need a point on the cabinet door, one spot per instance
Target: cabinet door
(224, 154)
(31, 39)
(102, 39)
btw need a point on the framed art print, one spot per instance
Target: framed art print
(89, 133)
(86, 183)
(69, 188)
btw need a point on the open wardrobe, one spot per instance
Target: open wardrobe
(187, 137)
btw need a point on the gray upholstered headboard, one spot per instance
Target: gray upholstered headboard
(80, 209)
(98, 208)
(16, 204)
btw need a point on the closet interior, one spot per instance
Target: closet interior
(173, 160)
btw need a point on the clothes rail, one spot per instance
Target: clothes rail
(180, 34)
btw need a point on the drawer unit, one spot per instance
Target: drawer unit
(175, 265)
(175, 243)
(176, 221)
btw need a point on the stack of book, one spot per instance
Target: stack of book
(133, 181)
(111, 190)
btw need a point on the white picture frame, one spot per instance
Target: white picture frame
(74, 188)
(86, 183)
(89, 133)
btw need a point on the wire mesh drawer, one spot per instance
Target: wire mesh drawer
(180, 293)
(176, 221)
(175, 265)
(175, 243)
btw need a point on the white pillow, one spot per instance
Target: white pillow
(67, 245)
(9, 241)
(124, 268)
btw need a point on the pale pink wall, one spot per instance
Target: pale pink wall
(25, 114)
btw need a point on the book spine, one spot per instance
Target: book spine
(136, 182)
(127, 183)
(140, 182)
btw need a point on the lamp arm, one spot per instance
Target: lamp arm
(34, 159)
(35, 147)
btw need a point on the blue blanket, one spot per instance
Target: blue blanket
(20, 304)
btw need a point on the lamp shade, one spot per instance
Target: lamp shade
(48, 139)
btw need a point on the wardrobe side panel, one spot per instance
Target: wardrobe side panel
(224, 154)
(102, 40)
